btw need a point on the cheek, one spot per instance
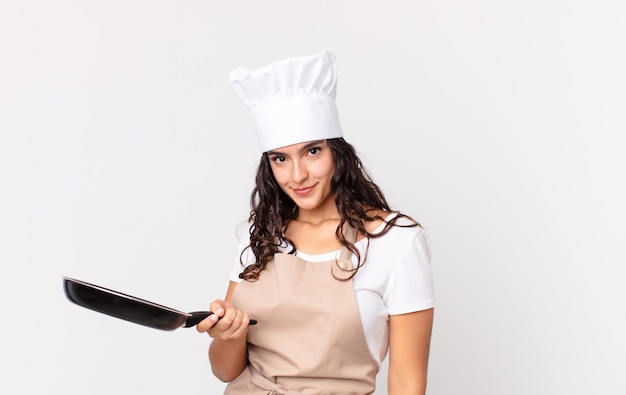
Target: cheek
(326, 170)
(280, 175)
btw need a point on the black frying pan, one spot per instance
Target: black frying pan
(130, 308)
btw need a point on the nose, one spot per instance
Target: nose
(299, 172)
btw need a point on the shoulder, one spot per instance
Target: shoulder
(381, 217)
(397, 234)
(242, 231)
(392, 222)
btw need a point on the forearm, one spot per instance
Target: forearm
(228, 358)
(410, 386)
(409, 376)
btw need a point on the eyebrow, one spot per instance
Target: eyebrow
(305, 148)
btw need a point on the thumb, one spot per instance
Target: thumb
(218, 307)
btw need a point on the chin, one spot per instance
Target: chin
(306, 205)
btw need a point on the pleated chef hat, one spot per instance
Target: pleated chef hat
(291, 101)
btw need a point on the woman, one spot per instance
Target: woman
(334, 278)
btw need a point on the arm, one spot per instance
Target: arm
(227, 352)
(409, 345)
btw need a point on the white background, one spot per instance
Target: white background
(125, 160)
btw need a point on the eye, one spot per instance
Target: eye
(314, 151)
(278, 159)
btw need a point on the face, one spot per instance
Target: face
(304, 172)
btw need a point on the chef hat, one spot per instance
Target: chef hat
(291, 101)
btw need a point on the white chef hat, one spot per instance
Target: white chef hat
(291, 101)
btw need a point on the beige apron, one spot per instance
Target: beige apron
(309, 338)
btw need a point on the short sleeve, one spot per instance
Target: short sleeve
(247, 258)
(410, 286)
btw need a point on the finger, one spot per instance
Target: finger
(226, 319)
(207, 323)
(219, 307)
(242, 329)
(228, 326)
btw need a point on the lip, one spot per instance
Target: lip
(303, 191)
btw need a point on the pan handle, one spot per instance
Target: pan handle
(197, 316)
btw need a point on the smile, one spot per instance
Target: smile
(303, 191)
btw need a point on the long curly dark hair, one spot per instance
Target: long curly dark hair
(356, 197)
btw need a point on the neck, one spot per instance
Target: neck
(326, 212)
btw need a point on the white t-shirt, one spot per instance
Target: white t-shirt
(395, 279)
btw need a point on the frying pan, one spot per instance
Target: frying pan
(130, 308)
